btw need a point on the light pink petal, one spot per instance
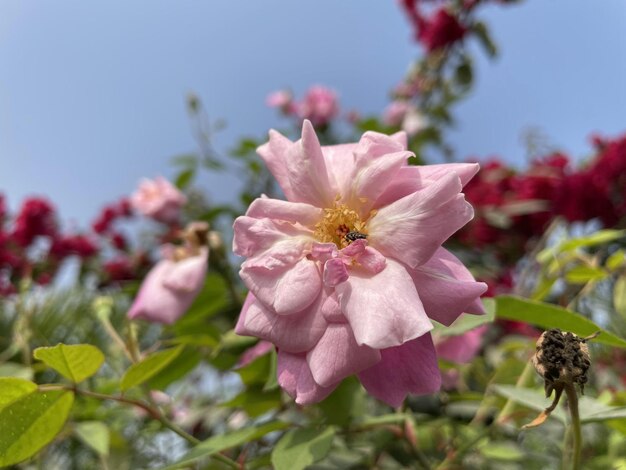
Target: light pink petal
(277, 209)
(372, 260)
(306, 170)
(412, 228)
(252, 236)
(339, 163)
(374, 145)
(410, 368)
(294, 376)
(157, 303)
(284, 290)
(465, 171)
(447, 288)
(331, 310)
(371, 177)
(188, 275)
(337, 356)
(354, 249)
(297, 332)
(383, 309)
(253, 353)
(335, 272)
(274, 154)
(402, 138)
(323, 251)
(462, 348)
(413, 178)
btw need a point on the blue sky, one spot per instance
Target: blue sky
(92, 93)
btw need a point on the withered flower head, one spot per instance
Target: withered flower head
(560, 358)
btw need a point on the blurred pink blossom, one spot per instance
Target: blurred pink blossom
(394, 113)
(279, 99)
(159, 200)
(319, 105)
(171, 286)
(345, 275)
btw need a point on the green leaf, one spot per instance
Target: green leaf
(394, 418)
(531, 398)
(344, 404)
(299, 448)
(506, 451)
(616, 260)
(480, 29)
(31, 422)
(12, 389)
(584, 274)
(226, 441)
(149, 367)
(463, 74)
(597, 238)
(551, 316)
(184, 178)
(12, 369)
(75, 362)
(95, 435)
(590, 410)
(467, 322)
(254, 401)
(619, 295)
(175, 370)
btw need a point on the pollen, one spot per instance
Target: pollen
(337, 222)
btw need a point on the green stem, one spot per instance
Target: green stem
(575, 428)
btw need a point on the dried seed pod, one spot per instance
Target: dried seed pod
(562, 358)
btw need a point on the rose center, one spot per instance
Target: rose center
(340, 225)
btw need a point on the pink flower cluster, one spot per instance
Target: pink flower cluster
(319, 105)
(346, 275)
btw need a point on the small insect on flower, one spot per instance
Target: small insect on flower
(354, 236)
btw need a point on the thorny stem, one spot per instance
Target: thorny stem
(152, 411)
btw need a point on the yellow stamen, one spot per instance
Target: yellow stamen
(336, 223)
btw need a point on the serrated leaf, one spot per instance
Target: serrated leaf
(149, 367)
(95, 435)
(13, 388)
(32, 422)
(299, 448)
(551, 316)
(226, 441)
(75, 362)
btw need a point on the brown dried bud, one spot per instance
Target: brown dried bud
(561, 358)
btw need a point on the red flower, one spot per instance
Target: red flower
(80, 245)
(35, 218)
(440, 30)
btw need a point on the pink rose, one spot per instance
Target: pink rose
(319, 105)
(346, 274)
(159, 200)
(172, 285)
